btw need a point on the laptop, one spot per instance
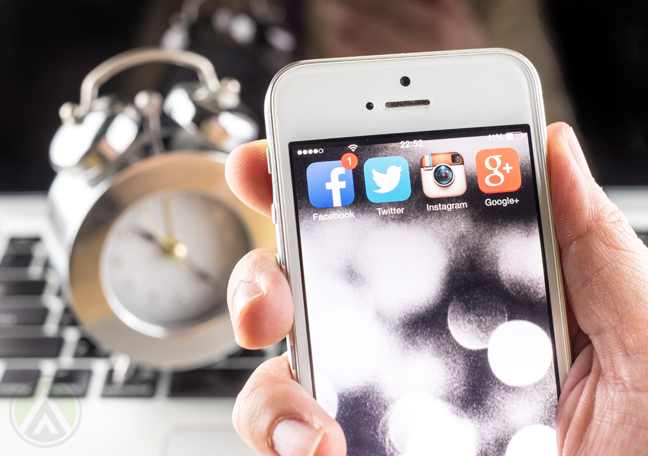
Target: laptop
(46, 354)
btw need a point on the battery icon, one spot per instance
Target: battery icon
(514, 136)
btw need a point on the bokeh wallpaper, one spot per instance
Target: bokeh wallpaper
(429, 319)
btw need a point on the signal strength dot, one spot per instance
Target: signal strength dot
(353, 147)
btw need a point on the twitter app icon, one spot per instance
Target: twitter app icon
(387, 179)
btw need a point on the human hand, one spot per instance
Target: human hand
(602, 409)
(362, 27)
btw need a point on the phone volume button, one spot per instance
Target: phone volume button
(273, 213)
(292, 358)
(281, 258)
(268, 160)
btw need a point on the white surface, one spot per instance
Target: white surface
(139, 427)
(216, 442)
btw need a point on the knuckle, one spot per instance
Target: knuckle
(250, 265)
(612, 221)
(248, 400)
(256, 393)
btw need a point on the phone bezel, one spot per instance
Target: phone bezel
(472, 88)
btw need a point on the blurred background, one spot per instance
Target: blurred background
(592, 58)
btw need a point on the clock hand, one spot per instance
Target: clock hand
(176, 249)
(151, 227)
(168, 217)
(201, 273)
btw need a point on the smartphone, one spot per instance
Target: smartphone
(414, 225)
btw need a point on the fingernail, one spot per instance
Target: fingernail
(576, 149)
(246, 292)
(295, 438)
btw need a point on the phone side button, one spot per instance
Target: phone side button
(292, 359)
(281, 259)
(273, 213)
(268, 160)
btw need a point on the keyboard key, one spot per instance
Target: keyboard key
(141, 384)
(244, 353)
(70, 383)
(22, 317)
(643, 237)
(67, 318)
(20, 383)
(21, 245)
(86, 349)
(22, 287)
(209, 382)
(18, 260)
(30, 347)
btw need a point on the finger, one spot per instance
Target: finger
(259, 300)
(246, 172)
(605, 265)
(275, 415)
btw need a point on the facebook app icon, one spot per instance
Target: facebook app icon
(330, 184)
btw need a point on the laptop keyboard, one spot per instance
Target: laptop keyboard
(39, 336)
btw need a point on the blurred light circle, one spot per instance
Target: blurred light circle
(422, 425)
(281, 39)
(535, 440)
(221, 19)
(175, 38)
(519, 353)
(242, 29)
(471, 322)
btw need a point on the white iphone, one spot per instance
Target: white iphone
(414, 225)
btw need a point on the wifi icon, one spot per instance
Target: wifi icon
(353, 147)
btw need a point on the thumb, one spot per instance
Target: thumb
(605, 265)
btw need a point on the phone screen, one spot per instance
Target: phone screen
(425, 291)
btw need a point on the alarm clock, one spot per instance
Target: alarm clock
(144, 230)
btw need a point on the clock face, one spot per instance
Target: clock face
(167, 259)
